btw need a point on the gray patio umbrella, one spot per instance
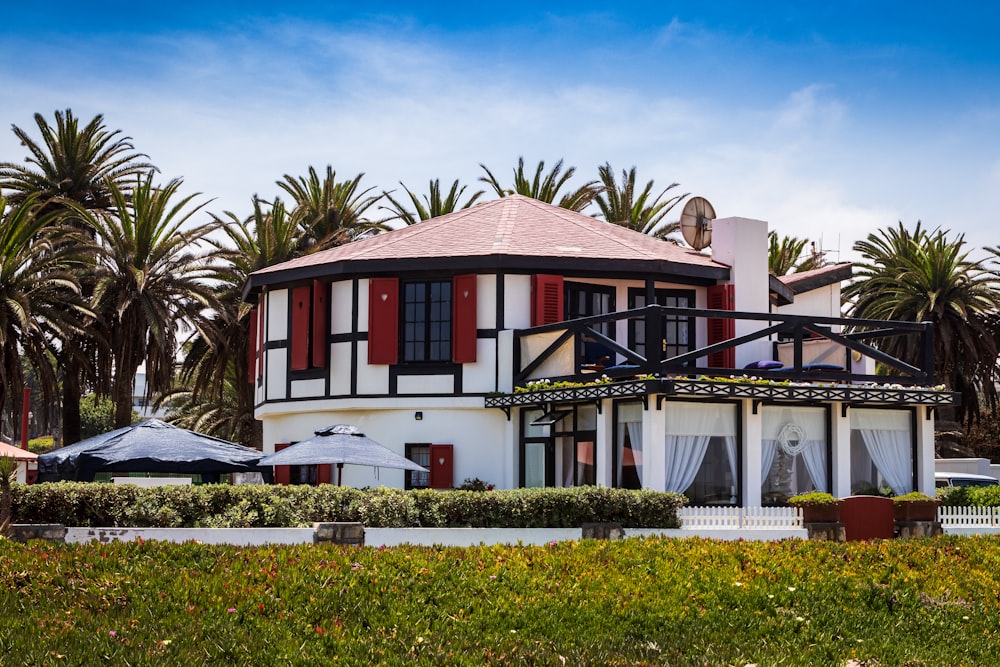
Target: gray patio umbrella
(148, 446)
(339, 444)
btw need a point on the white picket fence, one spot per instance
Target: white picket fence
(969, 517)
(763, 518)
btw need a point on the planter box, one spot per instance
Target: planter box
(821, 513)
(916, 510)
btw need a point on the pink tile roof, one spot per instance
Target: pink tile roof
(804, 281)
(512, 226)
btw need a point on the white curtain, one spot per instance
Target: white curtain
(630, 422)
(888, 439)
(768, 448)
(684, 456)
(814, 455)
(690, 427)
(731, 455)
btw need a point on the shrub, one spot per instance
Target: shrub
(224, 505)
(813, 499)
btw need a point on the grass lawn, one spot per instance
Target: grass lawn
(634, 602)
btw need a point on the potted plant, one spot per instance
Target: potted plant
(915, 506)
(817, 507)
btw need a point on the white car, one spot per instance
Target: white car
(946, 479)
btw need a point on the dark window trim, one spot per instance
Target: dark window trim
(427, 323)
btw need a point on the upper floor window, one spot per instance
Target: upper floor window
(677, 331)
(427, 321)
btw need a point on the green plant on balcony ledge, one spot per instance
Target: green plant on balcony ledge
(546, 384)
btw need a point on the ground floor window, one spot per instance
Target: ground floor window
(702, 453)
(628, 446)
(795, 452)
(421, 455)
(308, 475)
(559, 447)
(883, 451)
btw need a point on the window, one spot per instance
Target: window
(628, 446)
(426, 321)
(702, 453)
(558, 448)
(677, 332)
(795, 452)
(306, 474)
(421, 455)
(882, 451)
(583, 300)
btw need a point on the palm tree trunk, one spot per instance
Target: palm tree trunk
(71, 402)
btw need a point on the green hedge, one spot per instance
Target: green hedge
(970, 496)
(228, 506)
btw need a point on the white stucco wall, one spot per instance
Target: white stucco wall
(741, 244)
(477, 434)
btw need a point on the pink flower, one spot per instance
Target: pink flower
(231, 610)
(112, 633)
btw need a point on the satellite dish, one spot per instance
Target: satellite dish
(696, 222)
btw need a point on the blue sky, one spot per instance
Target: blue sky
(829, 120)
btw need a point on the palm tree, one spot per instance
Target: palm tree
(331, 212)
(40, 299)
(785, 255)
(217, 351)
(545, 188)
(73, 165)
(433, 204)
(925, 276)
(149, 280)
(641, 212)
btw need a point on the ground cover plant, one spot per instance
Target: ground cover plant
(632, 602)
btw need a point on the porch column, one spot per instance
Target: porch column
(603, 443)
(654, 472)
(925, 450)
(510, 452)
(750, 469)
(841, 450)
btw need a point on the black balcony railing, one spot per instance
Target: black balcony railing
(563, 351)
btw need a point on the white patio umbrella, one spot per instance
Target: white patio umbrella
(339, 444)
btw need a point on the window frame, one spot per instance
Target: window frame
(426, 323)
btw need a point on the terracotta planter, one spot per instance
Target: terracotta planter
(821, 513)
(916, 510)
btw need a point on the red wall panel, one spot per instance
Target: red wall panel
(282, 474)
(252, 348)
(383, 321)
(546, 299)
(320, 323)
(463, 319)
(301, 306)
(721, 297)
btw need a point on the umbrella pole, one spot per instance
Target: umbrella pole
(340, 472)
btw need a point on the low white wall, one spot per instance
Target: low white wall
(388, 537)
(236, 536)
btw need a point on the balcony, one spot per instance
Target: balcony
(822, 358)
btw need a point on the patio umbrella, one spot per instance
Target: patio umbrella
(148, 446)
(16, 453)
(340, 444)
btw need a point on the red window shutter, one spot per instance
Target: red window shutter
(261, 337)
(301, 304)
(252, 348)
(442, 467)
(323, 474)
(320, 323)
(383, 321)
(463, 319)
(546, 299)
(721, 297)
(282, 474)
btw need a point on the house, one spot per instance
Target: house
(529, 345)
